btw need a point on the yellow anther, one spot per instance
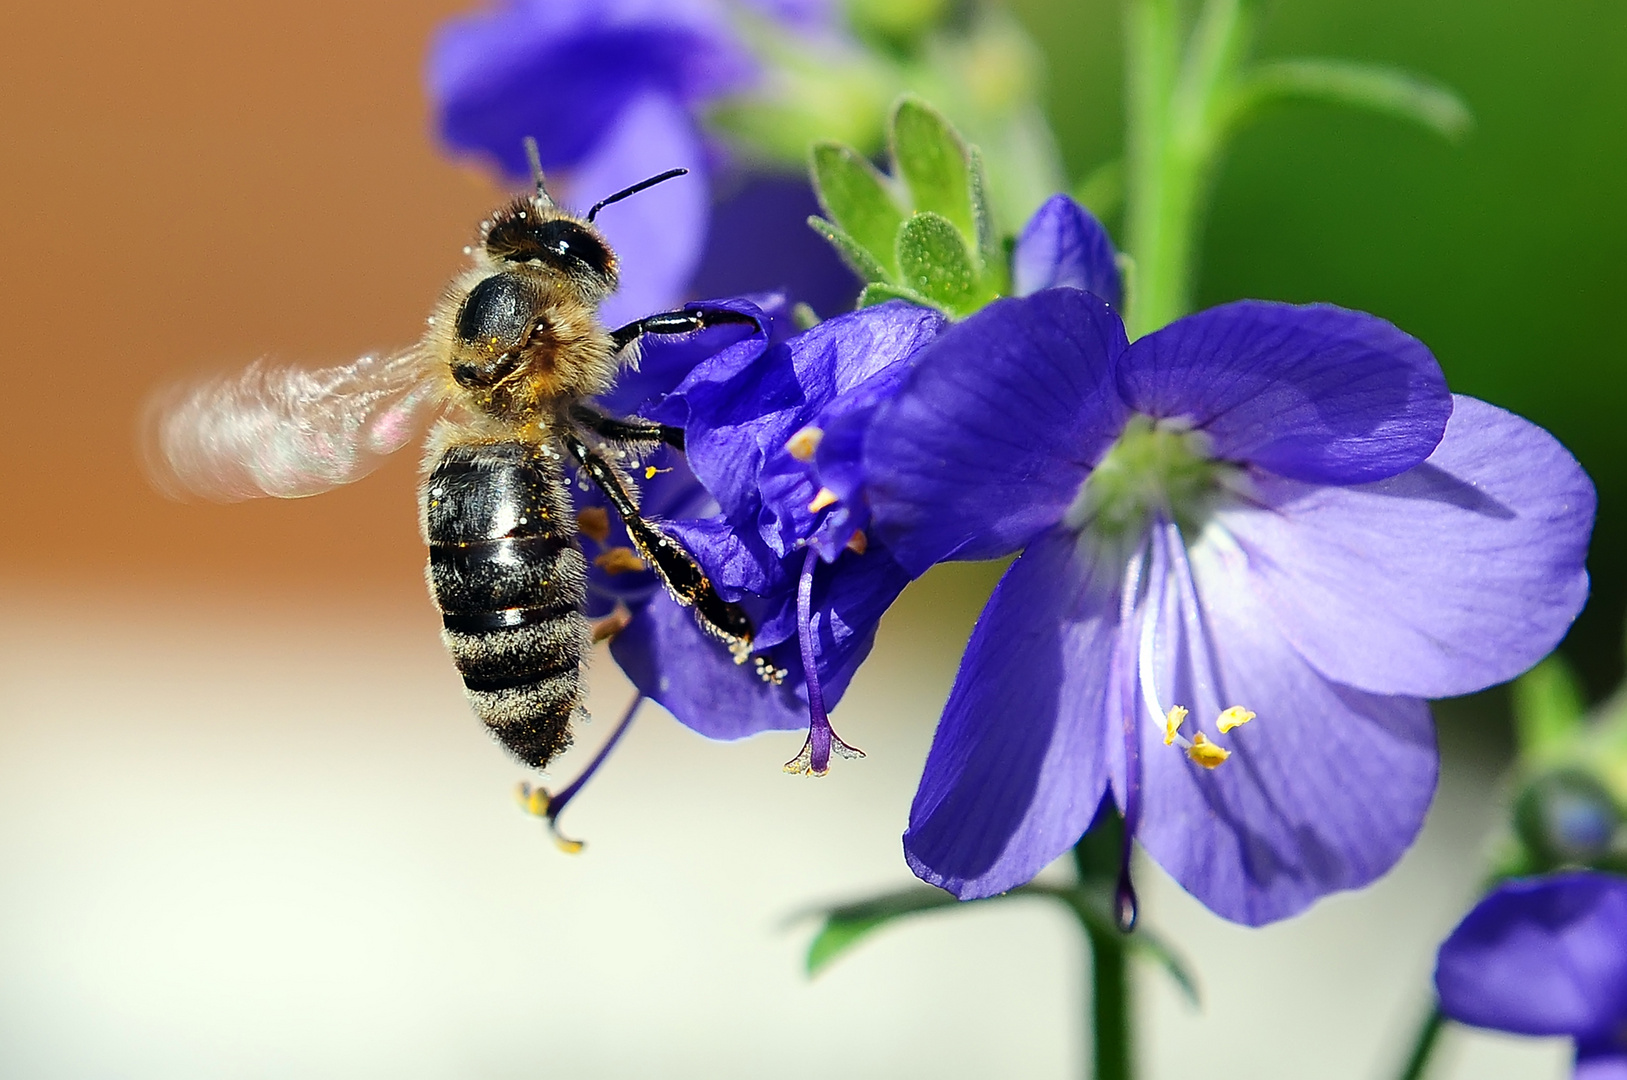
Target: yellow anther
(826, 497)
(651, 472)
(1172, 724)
(618, 560)
(594, 523)
(1236, 716)
(569, 847)
(533, 801)
(1206, 753)
(805, 443)
(858, 543)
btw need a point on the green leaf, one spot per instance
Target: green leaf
(852, 252)
(934, 164)
(844, 926)
(879, 292)
(857, 198)
(1548, 710)
(1363, 86)
(847, 925)
(1145, 945)
(933, 261)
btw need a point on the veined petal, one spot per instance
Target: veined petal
(1064, 245)
(994, 430)
(1019, 762)
(672, 661)
(1314, 393)
(1543, 956)
(740, 417)
(1457, 574)
(1324, 790)
(737, 562)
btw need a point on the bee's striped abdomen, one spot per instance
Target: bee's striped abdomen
(509, 578)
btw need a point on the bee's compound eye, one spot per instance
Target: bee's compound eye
(572, 247)
(498, 313)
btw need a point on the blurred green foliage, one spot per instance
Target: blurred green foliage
(1506, 253)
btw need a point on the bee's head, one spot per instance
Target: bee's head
(528, 232)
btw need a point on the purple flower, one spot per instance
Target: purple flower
(613, 90)
(1546, 956)
(1261, 513)
(662, 650)
(757, 513)
(1064, 244)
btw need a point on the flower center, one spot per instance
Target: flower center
(1154, 466)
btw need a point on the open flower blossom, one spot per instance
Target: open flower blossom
(751, 502)
(1253, 542)
(613, 91)
(1546, 956)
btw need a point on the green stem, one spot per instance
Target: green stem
(1151, 60)
(1423, 1045)
(1178, 106)
(1096, 857)
(1109, 1006)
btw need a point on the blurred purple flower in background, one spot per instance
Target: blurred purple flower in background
(613, 91)
(1260, 508)
(758, 504)
(1546, 956)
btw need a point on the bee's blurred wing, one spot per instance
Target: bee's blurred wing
(285, 432)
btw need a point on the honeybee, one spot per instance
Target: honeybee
(511, 359)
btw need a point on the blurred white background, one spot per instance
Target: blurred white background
(270, 841)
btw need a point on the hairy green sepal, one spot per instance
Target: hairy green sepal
(923, 233)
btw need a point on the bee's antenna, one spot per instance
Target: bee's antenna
(535, 158)
(635, 189)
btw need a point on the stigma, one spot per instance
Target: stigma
(538, 802)
(1200, 748)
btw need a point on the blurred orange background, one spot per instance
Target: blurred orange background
(189, 187)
